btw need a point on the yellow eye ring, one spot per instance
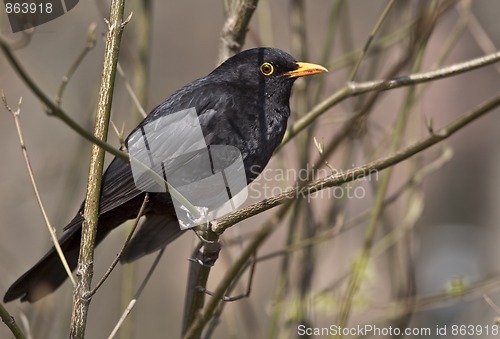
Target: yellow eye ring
(266, 68)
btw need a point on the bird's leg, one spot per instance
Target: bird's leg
(240, 296)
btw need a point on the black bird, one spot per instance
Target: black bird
(243, 103)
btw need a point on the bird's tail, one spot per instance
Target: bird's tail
(49, 273)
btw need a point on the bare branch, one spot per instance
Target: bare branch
(235, 28)
(131, 92)
(354, 88)
(368, 42)
(86, 49)
(91, 211)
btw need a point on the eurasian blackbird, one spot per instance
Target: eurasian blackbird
(243, 103)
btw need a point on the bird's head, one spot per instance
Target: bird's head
(268, 70)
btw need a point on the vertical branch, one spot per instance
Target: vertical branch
(233, 34)
(81, 300)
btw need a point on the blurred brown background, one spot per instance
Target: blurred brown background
(456, 235)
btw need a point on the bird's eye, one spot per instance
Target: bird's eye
(266, 68)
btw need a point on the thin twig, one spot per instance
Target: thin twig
(120, 253)
(368, 42)
(469, 292)
(90, 44)
(131, 92)
(456, 33)
(482, 38)
(380, 45)
(491, 303)
(119, 134)
(137, 294)
(52, 231)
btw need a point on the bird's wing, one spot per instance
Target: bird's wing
(118, 184)
(117, 188)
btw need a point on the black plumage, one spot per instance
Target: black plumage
(243, 103)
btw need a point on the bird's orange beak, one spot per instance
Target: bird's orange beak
(305, 69)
